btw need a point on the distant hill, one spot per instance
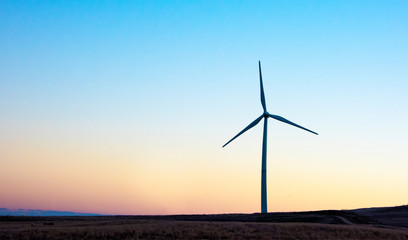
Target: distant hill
(31, 212)
(379, 216)
(393, 216)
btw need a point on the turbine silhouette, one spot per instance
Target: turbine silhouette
(265, 116)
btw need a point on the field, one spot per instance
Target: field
(376, 223)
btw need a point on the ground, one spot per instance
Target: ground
(374, 223)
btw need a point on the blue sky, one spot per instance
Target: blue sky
(162, 85)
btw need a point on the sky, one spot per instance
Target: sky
(122, 107)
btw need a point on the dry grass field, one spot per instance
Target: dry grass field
(167, 229)
(371, 224)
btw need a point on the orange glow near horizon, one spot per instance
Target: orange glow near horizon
(104, 182)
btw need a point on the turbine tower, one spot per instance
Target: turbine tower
(265, 115)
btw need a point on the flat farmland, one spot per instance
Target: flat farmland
(370, 224)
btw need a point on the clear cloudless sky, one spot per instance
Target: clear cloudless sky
(121, 107)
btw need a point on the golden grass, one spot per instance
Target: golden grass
(170, 229)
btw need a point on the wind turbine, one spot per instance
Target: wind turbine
(265, 115)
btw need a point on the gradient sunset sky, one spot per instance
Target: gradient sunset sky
(121, 107)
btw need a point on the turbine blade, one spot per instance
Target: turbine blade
(251, 125)
(262, 90)
(279, 118)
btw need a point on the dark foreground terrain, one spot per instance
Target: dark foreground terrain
(370, 223)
